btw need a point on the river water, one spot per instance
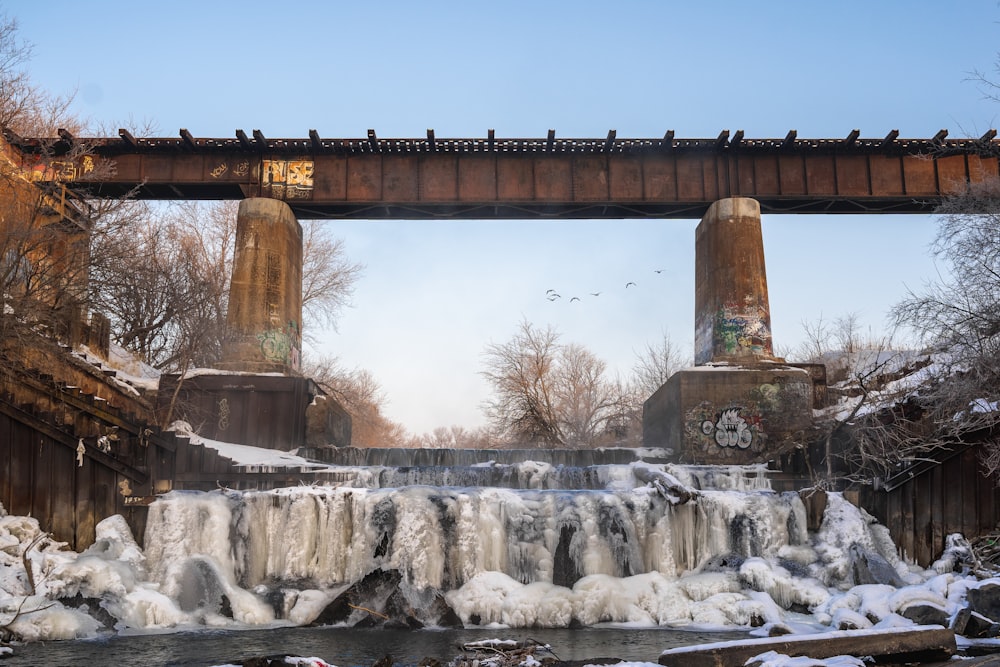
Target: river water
(348, 647)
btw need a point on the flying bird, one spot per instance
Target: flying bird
(553, 296)
(575, 298)
(595, 294)
(629, 284)
(658, 270)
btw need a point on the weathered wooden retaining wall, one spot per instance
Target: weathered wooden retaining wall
(75, 445)
(931, 501)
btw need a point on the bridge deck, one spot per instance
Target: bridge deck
(542, 178)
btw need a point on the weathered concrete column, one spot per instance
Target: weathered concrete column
(739, 404)
(265, 292)
(732, 317)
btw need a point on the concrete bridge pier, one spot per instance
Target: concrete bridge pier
(732, 315)
(739, 404)
(265, 293)
(264, 401)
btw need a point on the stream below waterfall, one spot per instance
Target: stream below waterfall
(348, 647)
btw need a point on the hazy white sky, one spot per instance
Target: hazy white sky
(434, 294)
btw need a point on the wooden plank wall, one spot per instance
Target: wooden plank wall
(39, 477)
(953, 497)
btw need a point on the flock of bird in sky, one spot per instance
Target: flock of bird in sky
(553, 295)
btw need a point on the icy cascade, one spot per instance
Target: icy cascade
(530, 474)
(527, 475)
(442, 537)
(474, 556)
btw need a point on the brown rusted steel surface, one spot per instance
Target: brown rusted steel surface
(372, 178)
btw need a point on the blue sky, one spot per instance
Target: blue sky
(434, 294)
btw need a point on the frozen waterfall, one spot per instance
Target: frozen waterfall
(574, 544)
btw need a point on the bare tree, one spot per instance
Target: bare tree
(550, 394)
(362, 397)
(328, 276)
(655, 364)
(583, 398)
(455, 437)
(163, 278)
(959, 316)
(845, 332)
(623, 426)
(25, 108)
(522, 372)
(43, 228)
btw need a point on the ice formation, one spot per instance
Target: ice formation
(625, 550)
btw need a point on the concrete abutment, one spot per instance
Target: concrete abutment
(740, 404)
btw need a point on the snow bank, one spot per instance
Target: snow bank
(256, 458)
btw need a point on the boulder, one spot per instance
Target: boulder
(971, 624)
(985, 600)
(869, 567)
(925, 613)
(378, 602)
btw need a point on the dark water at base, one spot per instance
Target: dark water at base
(347, 647)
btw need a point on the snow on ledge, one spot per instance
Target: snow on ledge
(246, 455)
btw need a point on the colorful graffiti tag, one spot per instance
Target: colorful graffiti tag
(223, 414)
(742, 329)
(62, 170)
(729, 430)
(282, 346)
(288, 179)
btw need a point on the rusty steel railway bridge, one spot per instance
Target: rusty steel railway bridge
(539, 178)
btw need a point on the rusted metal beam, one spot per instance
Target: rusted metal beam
(609, 143)
(128, 138)
(789, 140)
(609, 177)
